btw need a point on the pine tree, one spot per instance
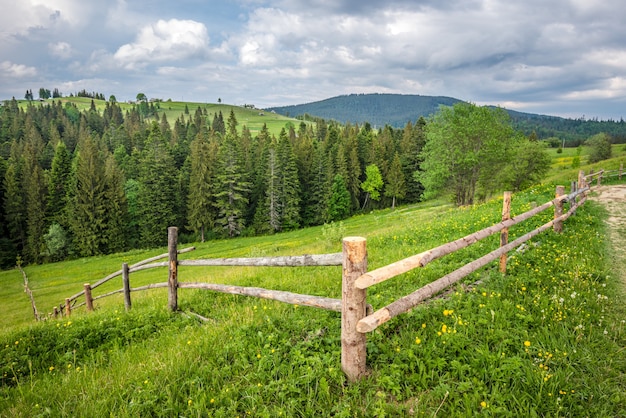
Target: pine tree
(88, 208)
(35, 190)
(290, 187)
(395, 187)
(116, 207)
(232, 188)
(59, 181)
(15, 205)
(200, 203)
(339, 203)
(157, 192)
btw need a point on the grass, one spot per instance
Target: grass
(545, 340)
(254, 119)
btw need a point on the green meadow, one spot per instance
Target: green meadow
(253, 119)
(546, 339)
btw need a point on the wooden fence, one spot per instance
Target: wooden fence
(357, 317)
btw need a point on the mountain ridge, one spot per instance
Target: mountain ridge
(380, 109)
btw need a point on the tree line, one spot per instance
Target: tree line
(77, 184)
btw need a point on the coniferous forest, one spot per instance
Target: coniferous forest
(81, 183)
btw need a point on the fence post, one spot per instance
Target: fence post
(353, 308)
(504, 235)
(88, 298)
(68, 307)
(172, 281)
(621, 169)
(600, 176)
(126, 284)
(558, 209)
(572, 200)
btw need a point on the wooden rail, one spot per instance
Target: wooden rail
(357, 317)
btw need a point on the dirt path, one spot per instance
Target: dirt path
(614, 199)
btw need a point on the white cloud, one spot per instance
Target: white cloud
(11, 70)
(164, 41)
(62, 50)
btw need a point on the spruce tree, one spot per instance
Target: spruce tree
(15, 204)
(157, 191)
(35, 189)
(232, 189)
(395, 187)
(200, 202)
(289, 184)
(59, 181)
(88, 208)
(116, 207)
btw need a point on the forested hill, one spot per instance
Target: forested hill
(398, 109)
(377, 109)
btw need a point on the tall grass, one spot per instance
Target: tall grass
(545, 340)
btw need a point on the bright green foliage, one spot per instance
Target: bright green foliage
(373, 183)
(339, 203)
(157, 192)
(395, 187)
(56, 242)
(529, 165)
(467, 148)
(88, 211)
(600, 148)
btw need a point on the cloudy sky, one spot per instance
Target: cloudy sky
(557, 57)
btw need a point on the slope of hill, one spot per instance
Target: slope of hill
(377, 109)
(398, 109)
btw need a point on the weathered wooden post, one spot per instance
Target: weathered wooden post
(353, 308)
(172, 281)
(581, 179)
(504, 234)
(572, 199)
(558, 209)
(126, 285)
(600, 177)
(68, 307)
(88, 298)
(621, 169)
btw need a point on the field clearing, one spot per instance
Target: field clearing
(538, 341)
(254, 119)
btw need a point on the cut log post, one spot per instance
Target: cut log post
(504, 234)
(600, 177)
(172, 294)
(572, 199)
(558, 210)
(68, 307)
(126, 285)
(621, 170)
(353, 349)
(88, 298)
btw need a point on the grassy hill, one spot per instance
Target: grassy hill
(377, 109)
(545, 340)
(252, 118)
(398, 109)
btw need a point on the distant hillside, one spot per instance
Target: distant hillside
(398, 109)
(377, 109)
